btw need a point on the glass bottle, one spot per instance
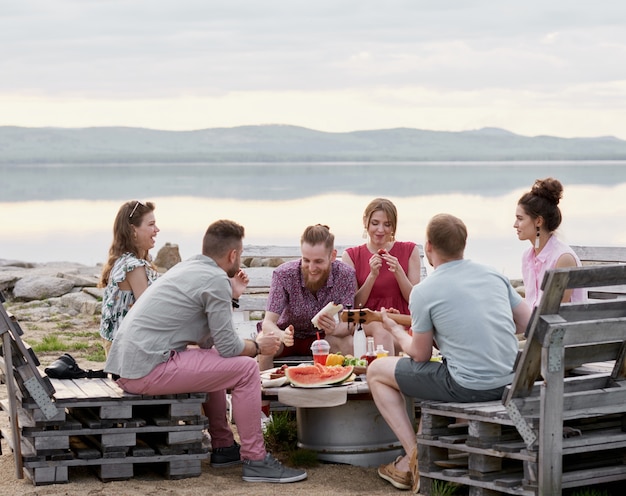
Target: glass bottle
(381, 352)
(370, 354)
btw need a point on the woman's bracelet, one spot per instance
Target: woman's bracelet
(235, 302)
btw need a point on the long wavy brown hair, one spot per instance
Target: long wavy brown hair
(130, 214)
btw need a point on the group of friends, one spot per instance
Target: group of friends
(174, 333)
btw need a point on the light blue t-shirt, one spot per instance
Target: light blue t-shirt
(469, 308)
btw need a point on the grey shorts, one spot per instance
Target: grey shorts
(432, 381)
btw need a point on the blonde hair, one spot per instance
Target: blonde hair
(448, 235)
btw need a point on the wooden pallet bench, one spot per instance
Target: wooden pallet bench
(517, 445)
(59, 424)
(101, 426)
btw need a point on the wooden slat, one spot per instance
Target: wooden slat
(93, 389)
(591, 276)
(594, 332)
(605, 254)
(592, 310)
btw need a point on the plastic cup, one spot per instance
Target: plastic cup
(320, 349)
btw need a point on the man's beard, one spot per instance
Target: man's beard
(314, 286)
(232, 272)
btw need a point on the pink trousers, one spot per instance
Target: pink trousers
(198, 370)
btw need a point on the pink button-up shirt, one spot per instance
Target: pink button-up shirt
(534, 268)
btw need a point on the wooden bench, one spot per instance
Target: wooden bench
(59, 424)
(517, 445)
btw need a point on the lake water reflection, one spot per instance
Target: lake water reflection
(53, 213)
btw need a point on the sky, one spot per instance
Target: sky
(534, 67)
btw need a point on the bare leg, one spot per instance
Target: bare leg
(342, 345)
(391, 404)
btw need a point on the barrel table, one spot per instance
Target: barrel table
(341, 423)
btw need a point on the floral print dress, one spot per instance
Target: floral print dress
(117, 302)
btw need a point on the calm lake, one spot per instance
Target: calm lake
(65, 212)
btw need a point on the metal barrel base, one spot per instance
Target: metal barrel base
(354, 433)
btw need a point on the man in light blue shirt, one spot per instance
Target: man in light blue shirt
(472, 314)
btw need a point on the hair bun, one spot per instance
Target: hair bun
(551, 189)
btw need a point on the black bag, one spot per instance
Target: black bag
(65, 367)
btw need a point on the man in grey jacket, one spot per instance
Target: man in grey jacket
(179, 337)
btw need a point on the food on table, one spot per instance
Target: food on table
(330, 309)
(279, 372)
(317, 375)
(334, 359)
(354, 361)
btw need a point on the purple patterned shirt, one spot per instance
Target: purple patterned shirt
(296, 305)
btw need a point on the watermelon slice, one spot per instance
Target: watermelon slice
(317, 375)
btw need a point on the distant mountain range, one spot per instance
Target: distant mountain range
(282, 143)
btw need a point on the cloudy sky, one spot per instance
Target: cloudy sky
(535, 67)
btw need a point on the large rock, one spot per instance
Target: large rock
(79, 280)
(168, 256)
(81, 303)
(41, 287)
(7, 280)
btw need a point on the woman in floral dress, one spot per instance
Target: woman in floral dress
(128, 270)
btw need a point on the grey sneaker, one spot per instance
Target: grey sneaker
(270, 470)
(225, 457)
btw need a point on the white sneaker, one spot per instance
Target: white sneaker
(265, 421)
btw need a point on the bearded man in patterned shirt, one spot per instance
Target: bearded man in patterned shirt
(300, 289)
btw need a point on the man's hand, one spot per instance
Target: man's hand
(388, 323)
(386, 320)
(327, 323)
(288, 340)
(268, 343)
(239, 283)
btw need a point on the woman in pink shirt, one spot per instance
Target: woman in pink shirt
(537, 217)
(386, 269)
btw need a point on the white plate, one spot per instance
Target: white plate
(270, 383)
(323, 385)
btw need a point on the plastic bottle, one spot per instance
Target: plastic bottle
(370, 354)
(359, 342)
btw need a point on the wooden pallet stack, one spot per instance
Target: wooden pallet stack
(60, 424)
(101, 426)
(473, 444)
(481, 448)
